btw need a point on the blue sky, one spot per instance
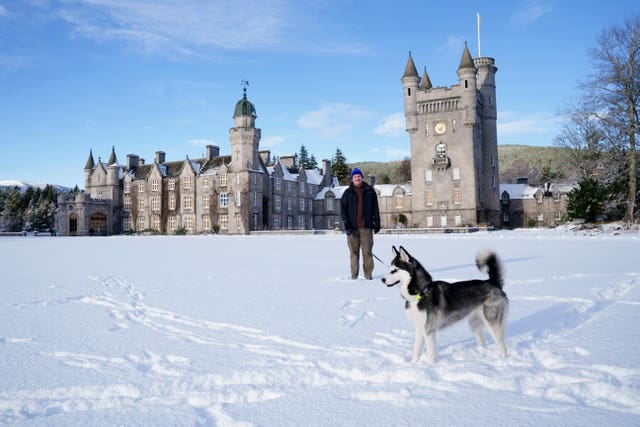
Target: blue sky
(149, 75)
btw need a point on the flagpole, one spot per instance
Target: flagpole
(478, 14)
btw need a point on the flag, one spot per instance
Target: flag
(477, 13)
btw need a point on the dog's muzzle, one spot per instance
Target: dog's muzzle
(384, 280)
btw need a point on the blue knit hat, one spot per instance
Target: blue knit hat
(356, 171)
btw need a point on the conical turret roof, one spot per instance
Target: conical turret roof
(112, 157)
(466, 61)
(425, 83)
(90, 162)
(410, 69)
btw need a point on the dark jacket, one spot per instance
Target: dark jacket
(349, 209)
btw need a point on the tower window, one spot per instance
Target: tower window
(466, 84)
(409, 91)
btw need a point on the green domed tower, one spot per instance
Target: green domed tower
(244, 137)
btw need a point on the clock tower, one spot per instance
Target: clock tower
(454, 147)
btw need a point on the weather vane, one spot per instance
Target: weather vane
(245, 85)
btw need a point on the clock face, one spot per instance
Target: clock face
(440, 128)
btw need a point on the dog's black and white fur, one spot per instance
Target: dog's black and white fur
(431, 305)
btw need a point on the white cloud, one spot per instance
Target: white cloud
(510, 124)
(332, 120)
(272, 141)
(392, 126)
(532, 11)
(180, 28)
(3, 10)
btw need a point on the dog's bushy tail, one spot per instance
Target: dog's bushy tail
(489, 261)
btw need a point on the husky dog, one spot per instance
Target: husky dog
(431, 305)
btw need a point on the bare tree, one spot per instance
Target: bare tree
(612, 92)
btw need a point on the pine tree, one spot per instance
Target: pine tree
(304, 157)
(313, 163)
(586, 201)
(340, 167)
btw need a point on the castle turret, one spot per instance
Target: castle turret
(467, 76)
(244, 137)
(88, 168)
(410, 82)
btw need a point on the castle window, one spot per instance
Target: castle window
(187, 182)
(429, 197)
(493, 181)
(276, 222)
(466, 84)
(238, 222)
(428, 175)
(457, 195)
(408, 91)
(289, 205)
(429, 221)
(127, 203)
(556, 196)
(156, 222)
(301, 222)
(141, 224)
(126, 224)
(238, 198)
(173, 222)
(329, 204)
(277, 203)
(224, 222)
(206, 200)
(141, 205)
(541, 217)
(155, 203)
(172, 201)
(457, 219)
(188, 201)
(492, 161)
(206, 222)
(301, 205)
(224, 200)
(558, 216)
(399, 201)
(223, 180)
(456, 174)
(205, 182)
(278, 184)
(188, 222)
(155, 185)
(127, 187)
(172, 184)
(141, 187)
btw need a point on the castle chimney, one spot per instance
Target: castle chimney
(132, 161)
(212, 151)
(160, 156)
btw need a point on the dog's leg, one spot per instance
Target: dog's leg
(417, 345)
(496, 318)
(477, 325)
(431, 345)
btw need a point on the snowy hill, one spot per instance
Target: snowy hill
(23, 185)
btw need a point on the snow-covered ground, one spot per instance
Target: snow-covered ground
(267, 330)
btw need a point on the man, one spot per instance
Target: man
(361, 219)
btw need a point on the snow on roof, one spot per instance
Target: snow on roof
(518, 191)
(337, 191)
(314, 176)
(386, 190)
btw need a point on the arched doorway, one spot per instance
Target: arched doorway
(98, 224)
(73, 224)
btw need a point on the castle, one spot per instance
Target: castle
(454, 168)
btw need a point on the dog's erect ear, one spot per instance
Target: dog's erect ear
(394, 252)
(404, 255)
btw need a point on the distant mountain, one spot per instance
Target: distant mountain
(23, 185)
